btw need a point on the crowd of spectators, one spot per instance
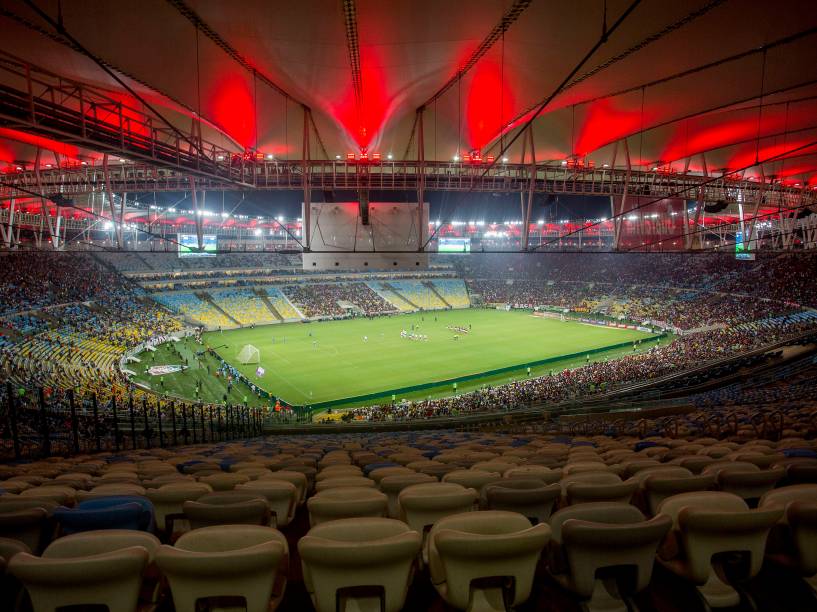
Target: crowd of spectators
(322, 299)
(599, 376)
(69, 318)
(32, 280)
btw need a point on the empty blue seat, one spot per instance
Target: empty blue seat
(800, 452)
(373, 466)
(76, 520)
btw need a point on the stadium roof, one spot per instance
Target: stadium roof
(735, 80)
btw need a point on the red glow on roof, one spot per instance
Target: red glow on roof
(488, 101)
(233, 110)
(364, 123)
(39, 141)
(747, 154)
(605, 122)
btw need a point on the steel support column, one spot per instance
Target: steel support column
(7, 231)
(421, 179)
(198, 213)
(307, 223)
(109, 193)
(696, 237)
(618, 216)
(55, 239)
(750, 238)
(531, 188)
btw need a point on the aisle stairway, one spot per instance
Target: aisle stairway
(433, 289)
(206, 297)
(265, 298)
(402, 296)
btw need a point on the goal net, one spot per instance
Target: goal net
(249, 354)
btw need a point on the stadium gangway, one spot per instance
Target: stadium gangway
(66, 428)
(139, 174)
(49, 105)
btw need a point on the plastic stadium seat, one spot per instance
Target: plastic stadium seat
(497, 466)
(243, 562)
(391, 485)
(281, 496)
(65, 496)
(10, 587)
(168, 499)
(340, 556)
(604, 536)
(539, 472)
(750, 485)
(695, 464)
(801, 473)
(343, 481)
(706, 523)
(438, 471)
(169, 478)
(346, 502)
(33, 525)
(794, 540)
(586, 492)
(476, 558)
(224, 481)
(96, 542)
(658, 486)
(299, 480)
(111, 578)
(380, 473)
(14, 486)
(729, 466)
(108, 490)
(75, 476)
(254, 473)
(309, 472)
(147, 519)
(473, 479)
(342, 471)
(221, 508)
(122, 515)
(531, 498)
(422, 505)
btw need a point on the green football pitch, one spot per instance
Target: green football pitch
(307, 364)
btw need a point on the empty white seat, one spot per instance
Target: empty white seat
(248, 562)
(613, 537)
(346, 502)
(709, 522)
(341, 555)
(468, 552)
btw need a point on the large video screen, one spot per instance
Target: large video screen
(740, 248)
(189, 245)
(454, 245)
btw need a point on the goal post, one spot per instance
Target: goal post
(249, 354)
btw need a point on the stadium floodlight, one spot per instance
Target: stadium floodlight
(389, 156)
(456, 158)
(337, 156)
(504, 160)
(270, 156)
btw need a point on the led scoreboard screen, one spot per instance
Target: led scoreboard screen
(454, 245)
(189, 245)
